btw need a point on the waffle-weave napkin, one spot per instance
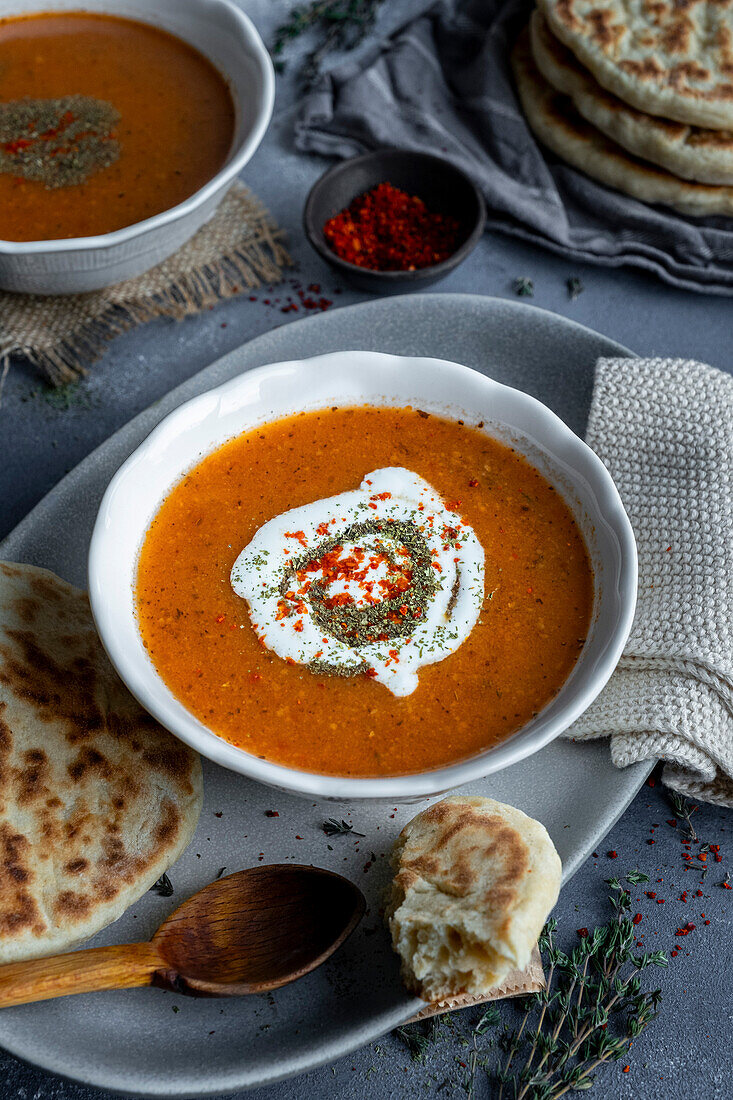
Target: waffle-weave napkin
(664, 429)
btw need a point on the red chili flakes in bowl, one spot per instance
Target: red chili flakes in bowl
(386, 229)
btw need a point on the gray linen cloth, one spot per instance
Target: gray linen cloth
(442, 84)
(664, 429)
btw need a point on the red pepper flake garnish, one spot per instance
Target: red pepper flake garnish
(651, 781)
(626, 1069)
(473, 483)
(272, 813)
(385, 229)
(672, 821)
(612, 854)
(371, 673)
(299, 535)
(582, 932)
(220, 618)
(706, 922)
(674, 954)
(254, 677)
(636, 918)
(650, 894)
(651, 842)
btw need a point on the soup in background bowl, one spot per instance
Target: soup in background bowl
(280, 644)
(105, 122)
(232, 79)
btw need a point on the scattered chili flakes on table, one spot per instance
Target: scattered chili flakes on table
(386, 229)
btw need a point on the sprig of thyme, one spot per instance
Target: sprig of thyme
(338, 25)
(592, 1008)
(683, 811)
(590, 1011)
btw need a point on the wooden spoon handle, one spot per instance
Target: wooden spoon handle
(119, 967)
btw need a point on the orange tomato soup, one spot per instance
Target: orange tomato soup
(174, 130)
(536, 610)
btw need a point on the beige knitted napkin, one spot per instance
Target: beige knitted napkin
(664, 429)
(240, 247)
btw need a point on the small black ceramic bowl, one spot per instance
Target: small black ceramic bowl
(443, 188)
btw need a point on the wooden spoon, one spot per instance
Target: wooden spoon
(249, 932)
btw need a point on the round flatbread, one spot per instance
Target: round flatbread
(96, 799)
(691, 152)
(557, 124)
(665, 57)
(474, 881)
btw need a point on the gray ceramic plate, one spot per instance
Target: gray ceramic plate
(135, 1041)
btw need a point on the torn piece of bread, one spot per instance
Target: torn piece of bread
(474, 882)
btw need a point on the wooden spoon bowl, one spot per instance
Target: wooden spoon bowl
(247, 933)
(256, 930)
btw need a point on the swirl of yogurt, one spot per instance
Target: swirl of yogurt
(377, 581)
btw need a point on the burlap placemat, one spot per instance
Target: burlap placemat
(516, 984)
(240, 247)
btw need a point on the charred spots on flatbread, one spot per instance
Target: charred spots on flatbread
(18, 910)
(58, 691)
(71, 905)
(89, 760)
(32, 777)
(27, 609)
(76, 866)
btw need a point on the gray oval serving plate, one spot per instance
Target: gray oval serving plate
(133, 1041)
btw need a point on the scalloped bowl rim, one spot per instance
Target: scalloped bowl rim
(121, 526)
(239, 157)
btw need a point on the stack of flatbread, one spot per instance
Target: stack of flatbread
(638, 94)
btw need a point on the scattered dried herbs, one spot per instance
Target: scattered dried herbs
(57, 142)
(337, 25)
(523, 287)
(163, 886)
(635, 877)
(575, 287)
(332, 827)
(683, 811)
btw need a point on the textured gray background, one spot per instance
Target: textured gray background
(686, 1052)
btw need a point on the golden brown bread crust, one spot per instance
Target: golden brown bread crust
(557, 124)
(474, 881)
(688, 151)
(667, 57)
(96, 799)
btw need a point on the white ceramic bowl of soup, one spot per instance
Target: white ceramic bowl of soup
(227, 37)
(202, 425)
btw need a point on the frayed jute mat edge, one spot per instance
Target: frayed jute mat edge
(258, 260)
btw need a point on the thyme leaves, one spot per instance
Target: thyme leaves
(332, 827)
(163, 887)
(335, 25)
